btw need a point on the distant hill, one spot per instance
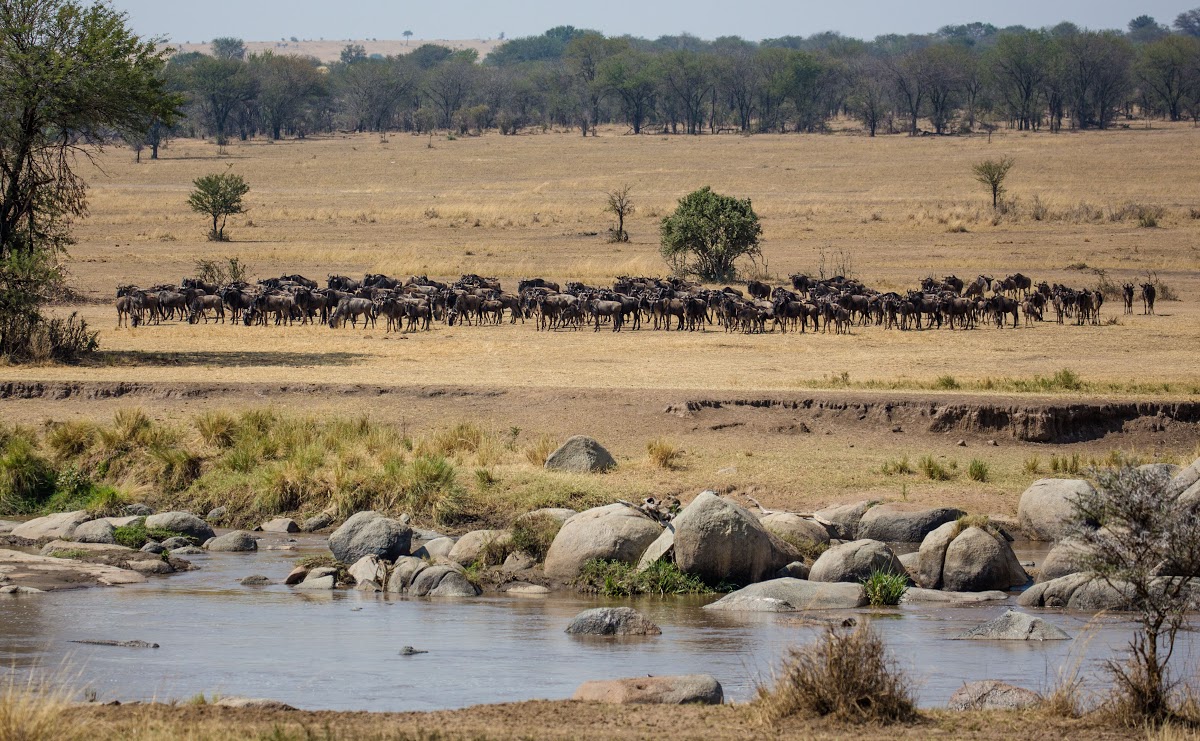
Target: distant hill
(328, 50)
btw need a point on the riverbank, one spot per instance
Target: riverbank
(570, 720)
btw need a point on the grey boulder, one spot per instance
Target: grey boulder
(615, 532)
(480, 545)
(370, 534)
(791, 595)
(1046, 510)
(794, 528)
(1015, 626)
(718, 540)
(903, 523)
(992, 695)
(689, 689)
(970, 559)
(238, 541)
(855, 562)
(281, 525)
(60, 526)
(612, 621)
(843, 519)
(184, 523)
(1185, 479)
(581, 454)
(442, 581)
(436, 548)
(95, 531)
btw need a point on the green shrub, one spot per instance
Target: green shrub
(27, 479)
(71, 553)
(933, 470)
(619, 579)
(977, 470)
(137, 535)
(947, 382)
(885, 589)
(431, 489)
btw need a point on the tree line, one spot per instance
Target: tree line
(960, 79)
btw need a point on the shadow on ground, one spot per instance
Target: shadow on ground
(245, 359)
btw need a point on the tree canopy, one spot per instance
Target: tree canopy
(708, 233)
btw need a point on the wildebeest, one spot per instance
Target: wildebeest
(1127, 296)
(1149, 293)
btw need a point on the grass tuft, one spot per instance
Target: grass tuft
(885, 589)
(933, 470)
(977, 470)
(664, 453)
(619, 579)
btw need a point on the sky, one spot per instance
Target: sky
(267, 20)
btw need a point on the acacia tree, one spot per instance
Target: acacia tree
(1149, 551)
(71, 77)
(219, 196)
(992, 174)
(620, 205)
(708, 234)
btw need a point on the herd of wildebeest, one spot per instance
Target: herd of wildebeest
(415, 302)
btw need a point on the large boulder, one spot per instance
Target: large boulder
(442, 580)
(612, 621)
(663, 547)
(970, 559)
(581, 454)
(720, 541)
(370, 534)
(843, 519)
(436, 548)
(1046, 509)
(559, 514)
(404, 571)
(281, 525)
(59, 526)
(1184, 480)
(690, 689)
(184, 523)
(917, 595)
(1015, 626)
(1065, 558)
(615, 532)
(238, 541)
(1083, 591)
(992, 695)
(369, 569)
(94, 531)
(480, 545)
(903, 522)
(854, 562)
(795, 529)
(791, 595)
(319, 579)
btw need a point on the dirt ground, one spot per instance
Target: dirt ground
(564, 720)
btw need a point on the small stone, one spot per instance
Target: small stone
(1015, 626)
(280, 525)
(295, 576)
(257, 580)
(526, 590)
(897, 428)
(612, 621)
(189, 550)
(153, 547)
(171, 544)
(961, 443)
(993, 443)
(216, 514)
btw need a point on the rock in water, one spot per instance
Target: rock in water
(318, 522)
(410, 651)
(615, 532)
(183, 523)
(118, 644)
(59, 526)
(701, 689)
(855, 562)
(1047, 509)
(257, 580)
(281, 525)
(1015, 626)
(239, 541)
(96, 531)
(992, 695)
(718, 540)
(370, 534)
(968, 559)
(792, 595)
(581, 454)
(612, 621)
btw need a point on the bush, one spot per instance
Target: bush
(534, 534)
(708, 233)
(977, 470)
(217, 429)
(431, 489)
(893, 468)
(663, 453)
(933, 470)
(27, 479)
(619, 579)
(947, 382)
(844, 674)
(885, 589)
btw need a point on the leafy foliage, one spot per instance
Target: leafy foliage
(992, 173)
(219, 195)
(619, 579)
(885, 589)
(708, 233)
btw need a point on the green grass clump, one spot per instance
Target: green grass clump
(885, 589)
(897, 467)
(70, 553)
(1033, 464)
(933, 470)
(1069, 465)
(977, 470)
(533, 535)
(947, 383)
(27, 479)
(619, 579)
(137, 535)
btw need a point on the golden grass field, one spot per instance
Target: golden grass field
(901, 208)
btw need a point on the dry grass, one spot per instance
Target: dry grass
(664, 453)
(846, 675)
(37, 710)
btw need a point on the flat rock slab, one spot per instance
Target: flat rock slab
(914, 595)
(612, 621)
(1015, 626)
(792, 595)
(252, 703)
(118, 644)
(702, 689)
(50, 574)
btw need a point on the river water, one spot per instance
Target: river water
(341, 650)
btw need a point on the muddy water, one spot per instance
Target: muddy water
(341, 650)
